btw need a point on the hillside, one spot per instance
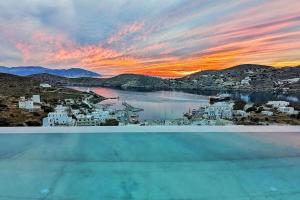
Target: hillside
(136, 82)
(12, 87)
(123, 81)
(247, 77)
(30, 70)
(64, 81)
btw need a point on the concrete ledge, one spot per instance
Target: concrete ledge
(149, 129)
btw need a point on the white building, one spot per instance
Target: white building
(87, 120)
(45, 85)
(29, 104)
(75, 111)
(61, 108)
(229, 83)
(26, 104)
(288, 110)
(288, 81)
(36, 99)
(241, 113)
(100, 114)
(247, 106)
(219, 110)
(277, 104)
(268, 113)
(246, 81)
(59, 117)
(69, 101)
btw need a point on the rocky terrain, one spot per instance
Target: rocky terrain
(246, 77)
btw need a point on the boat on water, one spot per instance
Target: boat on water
(219, 98)
(134, 118)
(190, 114)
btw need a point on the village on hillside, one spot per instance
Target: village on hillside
(221, 110)
(80, 111)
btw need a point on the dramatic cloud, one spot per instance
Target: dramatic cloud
(167, 39)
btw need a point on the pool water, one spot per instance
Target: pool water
(159, 166)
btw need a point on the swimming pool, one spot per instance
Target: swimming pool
(160, 166)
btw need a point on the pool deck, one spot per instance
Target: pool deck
(259, 164)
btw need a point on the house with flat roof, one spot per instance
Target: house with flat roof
(277, 104)
(30, 104)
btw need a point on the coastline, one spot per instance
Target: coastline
(149, 129)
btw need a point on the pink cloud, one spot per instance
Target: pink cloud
(126, 30)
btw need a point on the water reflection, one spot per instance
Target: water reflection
(157, 105)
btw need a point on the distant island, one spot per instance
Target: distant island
(30, 70)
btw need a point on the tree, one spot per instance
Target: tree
(251, 109)
(259, 110)
(239, 105)
(110, 122)
(33, 123)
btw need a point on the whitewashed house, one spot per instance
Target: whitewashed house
(218, 110)
(267, 113)
(87, 120)
(288, 110)
(277, 104)
(45, 85)
(59, 117)
(69, 101)
(26, 104)
(241, 113)
(100, 115)
(36, 99)
(247, 106)
(61, 108)
(75, 111)
(246, 81)
(30, 104)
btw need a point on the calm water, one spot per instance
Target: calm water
(150, 166)
(172, 104)
(157, 105)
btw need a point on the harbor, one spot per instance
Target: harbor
(218, 110)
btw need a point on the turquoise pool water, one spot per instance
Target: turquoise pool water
(159, 166)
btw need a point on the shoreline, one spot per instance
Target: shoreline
(193, 90)
(149, 129)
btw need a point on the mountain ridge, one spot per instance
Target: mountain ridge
(30, 70)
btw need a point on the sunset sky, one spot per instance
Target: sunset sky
(168, 38)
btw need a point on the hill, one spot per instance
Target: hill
(235, 70)
(30, 70)
(247, 77)
(136, 82)
(12, 87)
(123, 81)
